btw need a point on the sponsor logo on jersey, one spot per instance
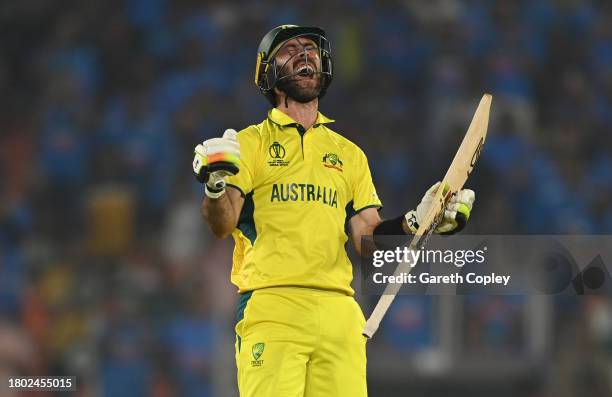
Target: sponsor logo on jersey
(331, 160)
(304, 192)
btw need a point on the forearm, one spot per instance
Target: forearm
(220, 215)
(364, 247)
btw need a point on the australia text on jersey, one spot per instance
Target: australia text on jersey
(304, 192)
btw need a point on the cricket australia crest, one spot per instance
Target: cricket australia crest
(257, 350)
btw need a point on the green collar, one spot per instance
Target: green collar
(284, 120)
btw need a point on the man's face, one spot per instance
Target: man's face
(299, 56)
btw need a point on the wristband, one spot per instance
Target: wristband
(390, 227)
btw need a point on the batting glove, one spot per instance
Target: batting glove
(215, 159)
(456, 214)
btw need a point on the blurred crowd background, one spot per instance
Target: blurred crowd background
(107, 271)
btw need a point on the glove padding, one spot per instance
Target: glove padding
(456, 214)
(216, 158)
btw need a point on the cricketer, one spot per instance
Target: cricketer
(290, 191)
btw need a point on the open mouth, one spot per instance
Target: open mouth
(305, 70)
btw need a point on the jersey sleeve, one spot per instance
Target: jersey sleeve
(249, 148)
(364, 192)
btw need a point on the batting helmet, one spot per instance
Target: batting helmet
(266, 69)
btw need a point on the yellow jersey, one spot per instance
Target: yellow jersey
(300, 187)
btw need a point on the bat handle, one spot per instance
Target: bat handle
(377, 315)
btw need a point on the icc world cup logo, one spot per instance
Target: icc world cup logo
(277, 151)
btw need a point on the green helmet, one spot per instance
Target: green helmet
(266, 69)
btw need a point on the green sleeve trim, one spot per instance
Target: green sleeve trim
(237, 188)
(350, 212)
(379, 206)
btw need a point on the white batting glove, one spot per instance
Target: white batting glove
(456, 214)
(214, 160)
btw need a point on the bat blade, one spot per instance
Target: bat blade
(462, 165)
(469, 151)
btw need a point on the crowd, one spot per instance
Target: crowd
(106, 268)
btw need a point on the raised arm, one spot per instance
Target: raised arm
(215, 160)
(368, 222)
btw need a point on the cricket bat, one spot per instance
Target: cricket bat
(456, 176)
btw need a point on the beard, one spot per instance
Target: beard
(291, 87)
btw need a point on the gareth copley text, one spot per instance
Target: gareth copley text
(426, 278)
